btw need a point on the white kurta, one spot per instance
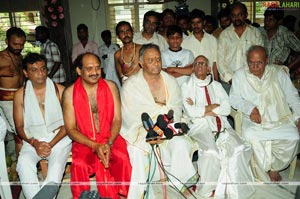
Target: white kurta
(155, 39)
(232, 49)
(207, 46)
(136, 98)
(177, 59)
(275, 140)
(225, 160)
(108, 64)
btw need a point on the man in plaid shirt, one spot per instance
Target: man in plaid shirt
(50, 49)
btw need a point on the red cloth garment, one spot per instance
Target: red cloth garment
(84, 161)
(218, 120)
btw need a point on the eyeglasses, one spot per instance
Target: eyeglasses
(36, 70)
(200, 63)
(91, 68)
(258, 63)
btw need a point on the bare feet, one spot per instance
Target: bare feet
(274, 176)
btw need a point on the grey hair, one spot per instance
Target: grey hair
(147, 47)
(207, 61)
(257, 48)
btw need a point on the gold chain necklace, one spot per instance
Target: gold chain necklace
(132, 58)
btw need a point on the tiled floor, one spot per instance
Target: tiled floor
(283, 190)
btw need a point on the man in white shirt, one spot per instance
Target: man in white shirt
(234, 42)
(84, 44)
(149, 34)
(200, 42)
(106, 53)
(271, 111)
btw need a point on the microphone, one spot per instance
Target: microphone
(169, 117)
(160, 125)
(147, 121)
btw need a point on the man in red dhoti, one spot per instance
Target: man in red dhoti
(92, 117)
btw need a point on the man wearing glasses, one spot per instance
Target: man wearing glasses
(223, 156)
(270, 105)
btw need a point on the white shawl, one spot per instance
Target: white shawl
(136, 98)
(35, 125)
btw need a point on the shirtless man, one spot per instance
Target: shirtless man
(126, 58)
(11, 78)
(92, 115)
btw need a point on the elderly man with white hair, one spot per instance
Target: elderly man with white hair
(270, 105)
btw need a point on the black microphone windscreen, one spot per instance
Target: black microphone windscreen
(170, 114)
(161, 123)
(168, 133)
(177, 125)
(151, 135)
(147, 121)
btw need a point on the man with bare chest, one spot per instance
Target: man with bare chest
(11, 78)
(126, 58)
(154, 92)
(39, 122)
(92, 116)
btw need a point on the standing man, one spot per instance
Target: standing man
(200, 42)
(50, 50)
(271, 111)
(279, 41)
(206, 104)
(11, 78)
(126, 58)
(92, 115)
(84, 45)
(107, 53)
(149, 34)
(39, 122)
(224, 20)
(234, 42)
(154, 92)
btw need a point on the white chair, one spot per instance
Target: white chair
(237, 117)
(5, 191)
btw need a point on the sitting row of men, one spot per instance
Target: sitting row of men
(109, 139)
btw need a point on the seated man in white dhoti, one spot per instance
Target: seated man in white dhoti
(270, 105)
(223, 156)
(155, 92)
(39, 122)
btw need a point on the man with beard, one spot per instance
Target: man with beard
(149, 34)
(11, 78)
(200, 42)
(127, 57)
(234, 42)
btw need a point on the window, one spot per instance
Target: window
(129, 10)
(27, 21)
(256, 10)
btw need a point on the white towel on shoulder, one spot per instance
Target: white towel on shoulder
(35, 125)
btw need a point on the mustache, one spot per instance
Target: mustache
(95, 75)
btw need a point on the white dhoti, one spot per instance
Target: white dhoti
(223, 165)
(274, 149)
(28, 159)
(174, 156)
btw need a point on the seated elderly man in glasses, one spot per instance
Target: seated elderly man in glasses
(271, 110)
(223, 156)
